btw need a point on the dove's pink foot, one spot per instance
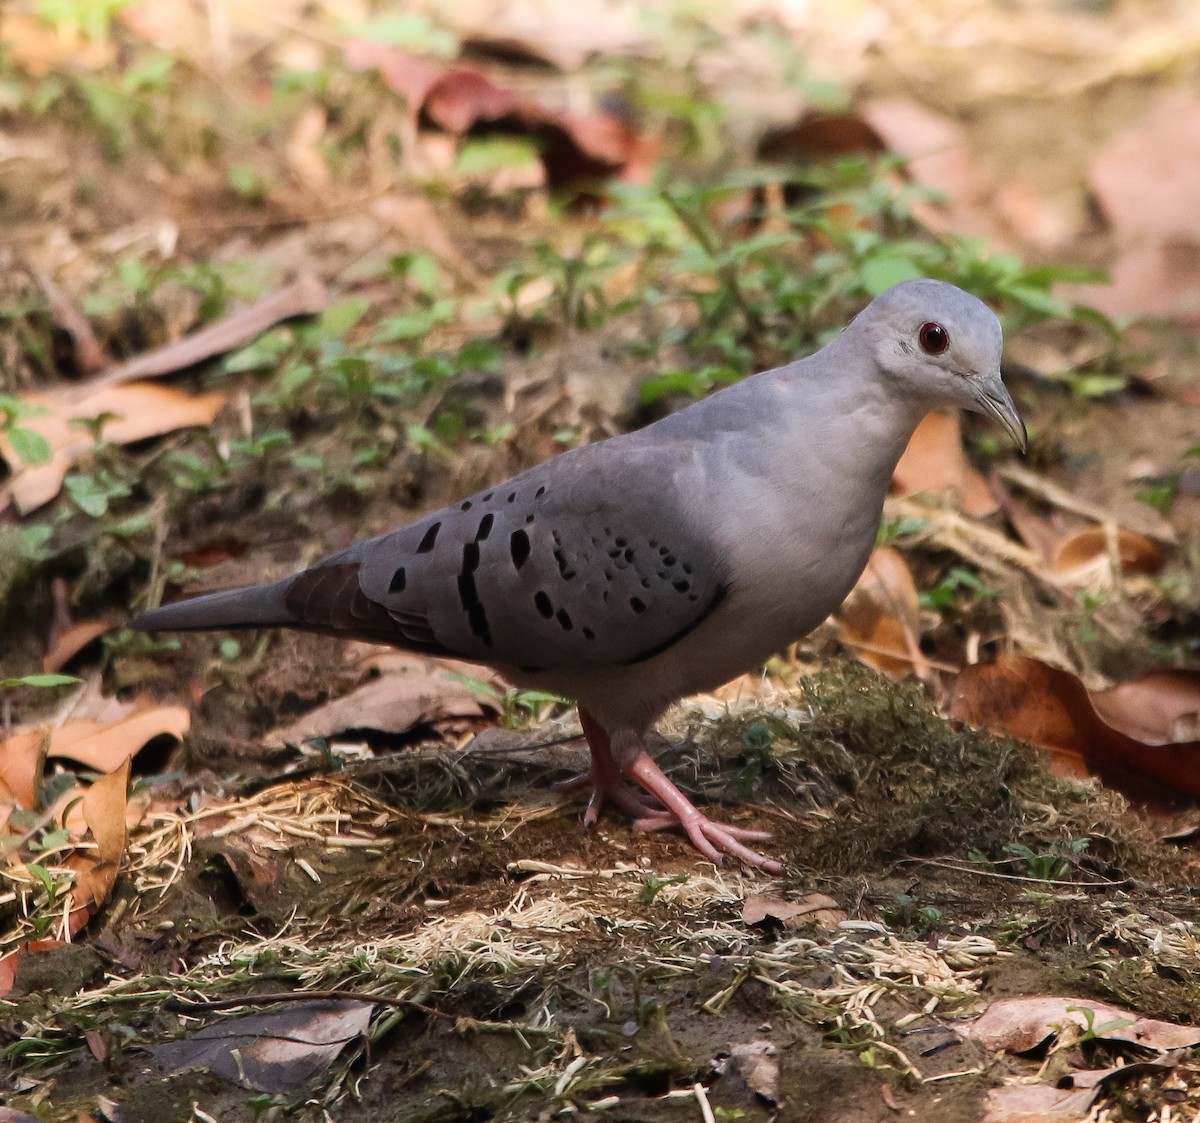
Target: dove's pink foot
(670, 809)
(710, 838)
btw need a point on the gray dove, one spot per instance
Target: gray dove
(629, 573)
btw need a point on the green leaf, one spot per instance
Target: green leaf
(40, 680)
(87, 495)
(878, 274)
(31, 447)
(489, 154)
(1038, 300)
(263, 352)
(339, 318)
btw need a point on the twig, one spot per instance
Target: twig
(192, 1006)
(1124, 883)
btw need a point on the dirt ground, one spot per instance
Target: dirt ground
(279, 908)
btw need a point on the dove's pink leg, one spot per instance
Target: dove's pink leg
(605, 780)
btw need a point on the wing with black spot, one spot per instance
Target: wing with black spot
(582, 562)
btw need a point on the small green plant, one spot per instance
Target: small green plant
(518, 708)
(1093, 1032)
(892, 529)
(1051, 863)
(27, 443)
(906, 912)
(958, 586)
(94, 494)
(652, 885)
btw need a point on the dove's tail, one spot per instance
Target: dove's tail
(253, 607)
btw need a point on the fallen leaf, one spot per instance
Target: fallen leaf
(140, 410)
(22, 757)
(881, 618)
(1017, 1025)
(574, 147)
(408, 692)
(1160, 708)
(275, 1052)
(936, 463)
(1052, 709)
(96, 871)
(1037, 1103)
(1079, 556)
(71, 642)
(103, 746)
(809, 909)
(756, 1062)
(303, 297)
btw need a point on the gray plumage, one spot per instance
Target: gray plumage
(628, 573)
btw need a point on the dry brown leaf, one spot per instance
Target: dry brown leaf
(1037, 1103)
(575, 148)
(1085, 548)
(140, 410)
(1035, 531)
(881, 618)
(1160, 708)
(935, 462)
(1018, 1025)
(303, 297)
(104, 806)
(103, 746)
(809, 909)
(71, 642)
(409, 692)
(22, 756)
(937, 154)
(1052, 709)
(280, 1051)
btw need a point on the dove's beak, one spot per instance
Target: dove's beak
(994, 398)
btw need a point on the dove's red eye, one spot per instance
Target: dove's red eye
(934, 338)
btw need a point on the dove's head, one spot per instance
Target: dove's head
(941, 346)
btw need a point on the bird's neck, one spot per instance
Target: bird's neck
(857, 423)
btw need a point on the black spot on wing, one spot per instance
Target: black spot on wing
(542, 603)
(430, 538)
(485, 527)
(518, 545)
(399, 580)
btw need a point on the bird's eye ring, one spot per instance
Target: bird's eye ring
(934, 338)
